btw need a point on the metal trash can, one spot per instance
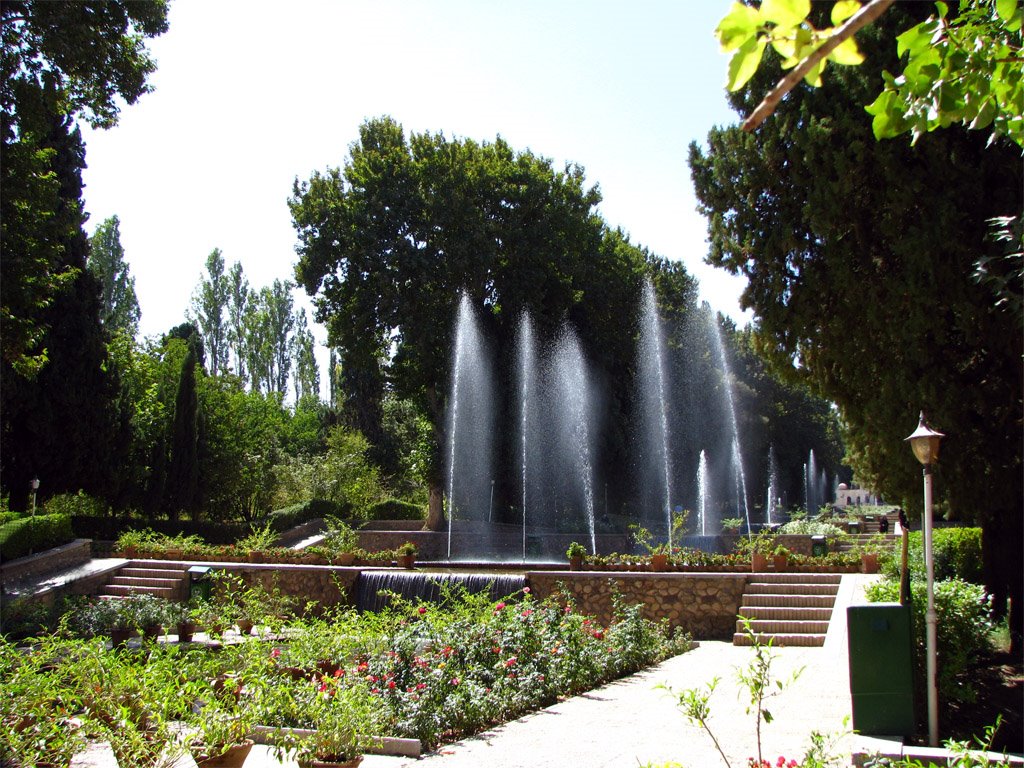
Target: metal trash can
(881, 669)
(853, 526)
(819, 547)
(200, 582)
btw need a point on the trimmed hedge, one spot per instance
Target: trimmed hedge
(957, 554)
(396, 509)
(109, 528)
(288, 517)
(29, 535)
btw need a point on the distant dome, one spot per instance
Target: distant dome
(844, 487)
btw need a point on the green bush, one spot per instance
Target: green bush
(957, 553)
(76, 504)
(33, 534)
(288, 517)
(395, 509)
(811, 528)
(962, 632)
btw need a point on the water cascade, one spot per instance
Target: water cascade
(527, 355)
(652, 398)
(430, 587)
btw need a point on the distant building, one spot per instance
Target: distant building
(852, 496)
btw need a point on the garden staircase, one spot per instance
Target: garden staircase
(851, 542)
(790, 608)
(166, 580)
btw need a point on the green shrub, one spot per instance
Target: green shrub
(957, 553)
(962, 632)
(288, 517)
(79, 503)
(811, 528)
(34, 534)
(395, 509)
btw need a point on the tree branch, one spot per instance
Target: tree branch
(861, 19)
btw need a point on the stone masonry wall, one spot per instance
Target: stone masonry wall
(703, 604)
(324, 585)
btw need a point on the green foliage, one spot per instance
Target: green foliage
(119, 305)
(810, 528)
(395, 509)
(956, 554)
(303, 512)
(576, 550)
(963, 628)
(29, 535)
(80, 503)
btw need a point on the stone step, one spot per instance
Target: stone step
(763, 588)
(788, 639)
(784, 613)
(790, 601)
(144, 581)
(773, 627)
(796, 578)
(123, 590)
(153, 573)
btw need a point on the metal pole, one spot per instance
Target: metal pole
(930, 615)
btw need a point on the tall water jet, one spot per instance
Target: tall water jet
(702, 493)
(773, 486)
(571, 412)
(527, 358)
(470, 422)
(652, 383)
(737, 454)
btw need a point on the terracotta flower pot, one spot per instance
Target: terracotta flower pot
(406, 561)
(575, 563)
(186, 630)
(758, 562)
(233, 758)
(869, 562)
(781, 563)
(659, 562)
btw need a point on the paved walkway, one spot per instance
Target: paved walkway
(631, 722)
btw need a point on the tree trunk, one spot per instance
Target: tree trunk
(435, 509)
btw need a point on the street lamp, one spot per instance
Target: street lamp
(925, 443)
(35, 487)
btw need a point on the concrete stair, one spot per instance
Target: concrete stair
(167, 581)
(789, 608)
(851, 541)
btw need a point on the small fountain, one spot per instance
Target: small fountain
(702, 493)
(773, 486)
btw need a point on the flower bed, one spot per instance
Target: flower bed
(431, 672)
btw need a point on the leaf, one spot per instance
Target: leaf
(1006, 9)
(916, 39)
(847, 53)
(813, 77)
(767, 715)
(744, 63)
(844, 9)
(785, 13)
(737, 27)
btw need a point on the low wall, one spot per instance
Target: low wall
(66, 556)
(327, 586)
(703, 604)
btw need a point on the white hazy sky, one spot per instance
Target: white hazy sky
(249, 96)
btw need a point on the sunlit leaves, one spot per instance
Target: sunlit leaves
(783, 24)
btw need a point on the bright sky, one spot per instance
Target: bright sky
(249, 96)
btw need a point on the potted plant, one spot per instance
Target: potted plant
(257, 543)
(731, 525)
(869, 551)
(183, 617)
(150, 614)
(222, 737)
(339, 715)
(758, 548)
(406, 554)
(342, 540)
(780, 558)
(575, 553)
(132, 543)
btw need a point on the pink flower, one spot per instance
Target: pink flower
(275, 652)
(498, 607)
(391, 684)
(527, 613)
(511, 661)
(423, 609)
(526, 590)
(454, 681)
(339, 672)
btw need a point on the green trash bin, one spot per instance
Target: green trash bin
(200, 583)
(881, 669)
(819, 547)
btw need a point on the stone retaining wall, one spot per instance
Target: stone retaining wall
(324, 585)
(65, 556)
(703, 604)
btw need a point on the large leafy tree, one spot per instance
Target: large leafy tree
(859, 259)
(58, 59)
(209, 311)
(120, 307)
(388, 242)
